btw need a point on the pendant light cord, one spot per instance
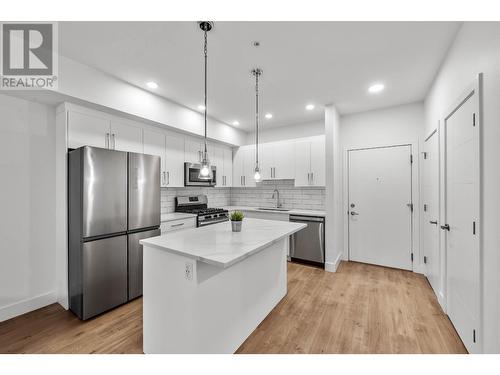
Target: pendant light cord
(257, 74)
(205, 53)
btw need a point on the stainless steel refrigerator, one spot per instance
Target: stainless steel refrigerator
(113, 202)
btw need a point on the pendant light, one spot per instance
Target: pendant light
(205, 170)
(256, 73)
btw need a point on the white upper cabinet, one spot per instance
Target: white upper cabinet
(318, 162)
(174, 163)
(228, 167)
(238, 167)
(87, 130)
(276, 160)
(217, 160)
(125, 137)
(302, 163)
(249, 166)
(310, 162)
(154, 144)
(193, 150)
(266, 163)
(283, 157)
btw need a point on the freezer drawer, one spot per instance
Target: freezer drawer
(135, 261)
(308, 243)
(104, 275)
(104, 191)
(143, 191)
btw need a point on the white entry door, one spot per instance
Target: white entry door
(461, 219)
(379, 211)
(430, 197)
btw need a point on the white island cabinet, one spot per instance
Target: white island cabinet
(207, 289)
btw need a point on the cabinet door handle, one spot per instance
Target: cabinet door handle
(445, 227)
(309, 178)
(107, 140)
(168, 178)
(312, 178)
(113, 136)
(433, 222)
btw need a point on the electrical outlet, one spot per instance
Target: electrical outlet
(189, 271)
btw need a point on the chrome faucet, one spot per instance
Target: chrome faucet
(276, 194)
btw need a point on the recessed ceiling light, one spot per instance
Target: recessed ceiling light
(201, 107)
(236, 123)
(152, 85)
(310, 107)
(375, 88)
(269, 115)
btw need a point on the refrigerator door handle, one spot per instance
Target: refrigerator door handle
(107, 140)
(113, 137)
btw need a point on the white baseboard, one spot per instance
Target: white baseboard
(27, 305)
(332, 266)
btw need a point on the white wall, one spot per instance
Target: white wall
(477, 50)
(27, 206)
(308, 129)
(402, 124)
(382, 127)
(333, 190)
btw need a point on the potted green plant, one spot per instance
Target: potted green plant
(236, 220)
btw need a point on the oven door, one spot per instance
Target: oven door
(191, 172)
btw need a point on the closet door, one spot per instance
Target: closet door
(460, 226)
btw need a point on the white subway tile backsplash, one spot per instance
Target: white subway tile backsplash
(312, 198)
(290, 196)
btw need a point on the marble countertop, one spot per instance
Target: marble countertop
(217, 245)
(175, 216)
(292, 211)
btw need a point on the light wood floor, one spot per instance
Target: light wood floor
(360, 309)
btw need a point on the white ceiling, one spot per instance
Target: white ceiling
(303, 62)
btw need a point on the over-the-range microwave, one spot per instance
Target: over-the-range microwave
(191, 172)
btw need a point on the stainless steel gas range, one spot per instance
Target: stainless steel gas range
(198, 205)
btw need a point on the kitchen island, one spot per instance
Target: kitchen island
(206, 289)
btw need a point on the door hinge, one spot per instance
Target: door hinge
(424, 154)
(411, 257)
(474, 336)
(425, 259)
(411, 158)
(474, 227)
(425, 208)
(473, 119)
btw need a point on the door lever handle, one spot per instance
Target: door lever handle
(433, 222)
(354, 213)
(445, 227)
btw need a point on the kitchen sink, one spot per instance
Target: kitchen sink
(273, 209)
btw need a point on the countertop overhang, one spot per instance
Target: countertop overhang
(217, 245)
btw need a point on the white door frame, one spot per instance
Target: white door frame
(415, 217)
(440, 294)
(475, 89)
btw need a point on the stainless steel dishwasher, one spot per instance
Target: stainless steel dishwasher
(308, 244)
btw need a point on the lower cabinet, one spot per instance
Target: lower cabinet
(174, 225)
